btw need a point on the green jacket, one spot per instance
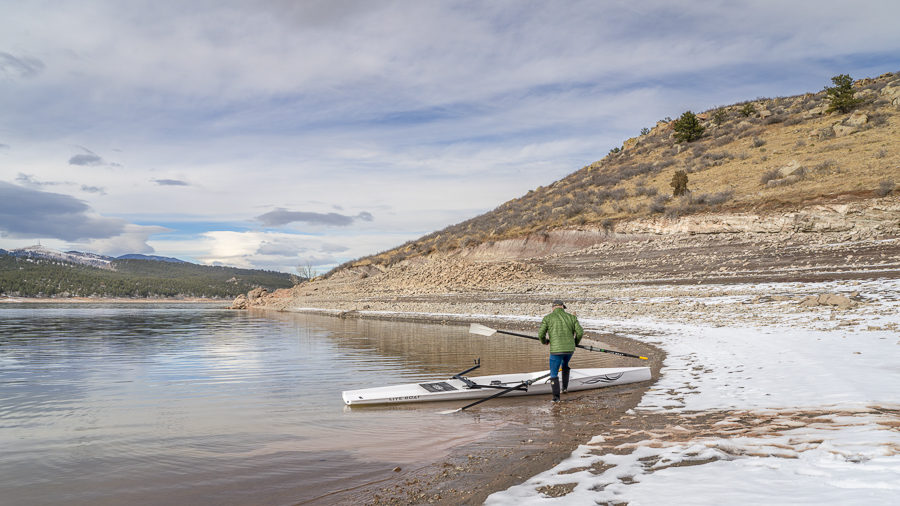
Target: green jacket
(565, 331)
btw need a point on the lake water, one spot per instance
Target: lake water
(196, 404)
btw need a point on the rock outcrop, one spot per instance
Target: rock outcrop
(829, 299)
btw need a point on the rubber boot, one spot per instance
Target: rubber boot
(554, 385)
(565, 380)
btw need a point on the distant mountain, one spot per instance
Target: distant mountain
(92, 259)
(137, 256)
(44, 272)
(76, 257)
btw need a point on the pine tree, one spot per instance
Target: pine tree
(841, 94)
(688, 128)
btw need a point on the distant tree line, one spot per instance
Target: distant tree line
(37, 277)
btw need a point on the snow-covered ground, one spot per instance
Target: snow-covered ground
(790, 406)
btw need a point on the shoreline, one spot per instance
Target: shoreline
(88, 300)
(625, 315)
(537, 437)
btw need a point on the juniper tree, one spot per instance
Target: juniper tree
(688, 128)
(841, 94)
(679, 183)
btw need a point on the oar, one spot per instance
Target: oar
(525, 384)
(487, 331)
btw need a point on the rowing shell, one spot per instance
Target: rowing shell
(458, 389)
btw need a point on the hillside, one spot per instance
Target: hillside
(768, 155)
(129, 278)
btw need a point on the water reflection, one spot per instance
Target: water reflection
(156, 403)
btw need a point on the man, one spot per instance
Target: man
(565, 332)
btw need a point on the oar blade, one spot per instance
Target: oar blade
(481, 330)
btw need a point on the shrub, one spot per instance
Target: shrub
(828, 166)
(713, 199)
(615, 150)
(649, 191)
(841, 94)
(757, 142)
(793, 120)
(768, 175)
(679, 183)
(885, 187)
(876, 119)
(722, 141)
(658, 204)
(720, 116)
(688, 128)
(699, 150)
(662, 164)
(645, 131)
(881, 153)
(749, 131)
(684, 206)
(747, 110)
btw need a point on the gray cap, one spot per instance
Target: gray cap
(559, 303)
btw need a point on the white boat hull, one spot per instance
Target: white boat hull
(454, 389)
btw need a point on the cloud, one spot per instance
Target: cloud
(281, 216)
(333, 248)
(23, 67)
(93, 189)
(28, 213)
(86, 160)
(30, 181)
(169, 182)
(90, 159)
(278, 249)
(132, 239)
(318, 261)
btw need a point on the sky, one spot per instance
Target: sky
(271, 133)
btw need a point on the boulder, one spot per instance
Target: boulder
(793, 168)
(828, 299)
(765, 113)
(817, 111)
(892, 93)
(843, 130)
(241, 302)
(857, 119)
(833, 299)
(257, 293)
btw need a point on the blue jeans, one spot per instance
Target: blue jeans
(557, 361)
